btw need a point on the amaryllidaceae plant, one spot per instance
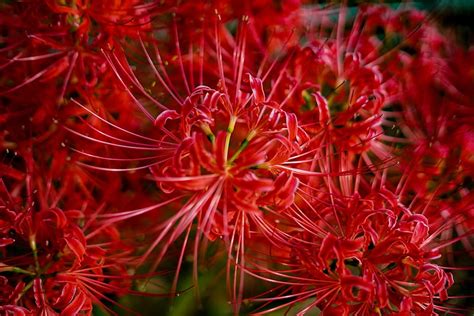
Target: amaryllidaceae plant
(302, 151)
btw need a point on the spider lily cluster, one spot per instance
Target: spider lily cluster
(320, 156)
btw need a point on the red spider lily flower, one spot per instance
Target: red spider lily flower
(227, 149)
(440, 167)
(56, 260)
(349, 82)
(61, 42)
(358, 250)
(43, 244)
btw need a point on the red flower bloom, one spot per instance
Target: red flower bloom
(358, 253)
(55, 260)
